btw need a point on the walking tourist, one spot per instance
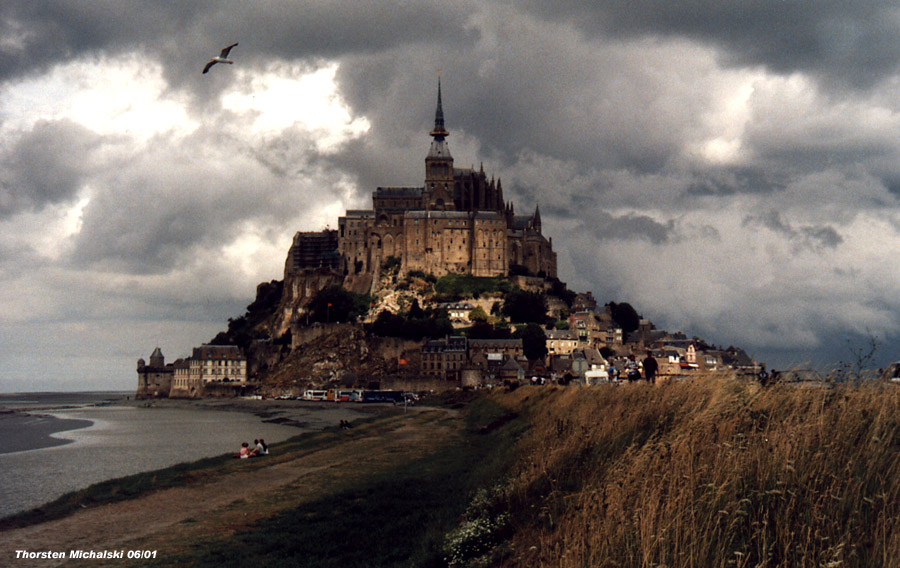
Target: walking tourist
(650, 368)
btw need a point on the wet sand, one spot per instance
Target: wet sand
(21, 430)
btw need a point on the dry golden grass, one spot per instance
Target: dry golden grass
(709, 472)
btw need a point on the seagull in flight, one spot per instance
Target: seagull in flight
(221, 58)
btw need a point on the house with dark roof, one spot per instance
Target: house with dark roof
(445, 358)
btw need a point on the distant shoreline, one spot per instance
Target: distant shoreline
(36, 428)
(25, 430)
(296, 413)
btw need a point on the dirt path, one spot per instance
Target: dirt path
(172, 516)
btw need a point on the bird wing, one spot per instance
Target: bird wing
(209, 64)
(225, 51)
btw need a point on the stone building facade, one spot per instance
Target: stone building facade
(219, 370)
(155, 378)
(444, 358)
(455, 222)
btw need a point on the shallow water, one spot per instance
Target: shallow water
(123, 441)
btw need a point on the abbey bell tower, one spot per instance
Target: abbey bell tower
(455, 223)
(439, 164)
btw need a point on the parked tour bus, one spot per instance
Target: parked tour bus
(382, 396)
(338, 395)
(315, 395)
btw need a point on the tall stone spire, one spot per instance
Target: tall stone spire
(439, 164)
(440, 150)
(439, 131)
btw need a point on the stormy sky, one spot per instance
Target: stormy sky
(731, 169)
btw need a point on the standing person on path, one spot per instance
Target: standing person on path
(613, 372)
(633, 373)
(650, 368)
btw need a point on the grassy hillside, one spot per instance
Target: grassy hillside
(705, 473)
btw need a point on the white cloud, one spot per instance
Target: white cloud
(755, 284)
(288, 94)
(724, 122)
(46, 233)
(124, 95)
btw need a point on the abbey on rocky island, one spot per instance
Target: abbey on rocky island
(456, 222)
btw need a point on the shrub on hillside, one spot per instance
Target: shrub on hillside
(484, 330)
(244, 330)
(334, 304)
(468, 286)
(416, 325)
(391, 263)
(559, 289)
(429, 278)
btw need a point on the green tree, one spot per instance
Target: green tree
(480, 330)
(244, 329)
(466, 285)
(559, 289)
(334, 304)
(522, 306)
(501, 330)
(534, 342)
(625, 316)
(415, 311)
(430, 323)
(478, 314)
(388, 324)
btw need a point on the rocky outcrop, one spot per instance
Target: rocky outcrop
(338, 355)
(299, 289)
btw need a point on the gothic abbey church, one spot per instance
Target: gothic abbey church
(457, 222)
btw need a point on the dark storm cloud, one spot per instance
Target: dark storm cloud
(821, 236)
(178, 201)
(185, 34)
(43, 33)
(605, 226)
(851, 43)
(45, 165)
(826, 237)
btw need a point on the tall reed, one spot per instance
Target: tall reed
(708, 472)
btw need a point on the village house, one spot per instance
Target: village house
(561, 341)
(457, 311)
(208, 369)
(511, 370)
(218, 363)
(584, 302)
(509, 347)
(444, 358)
